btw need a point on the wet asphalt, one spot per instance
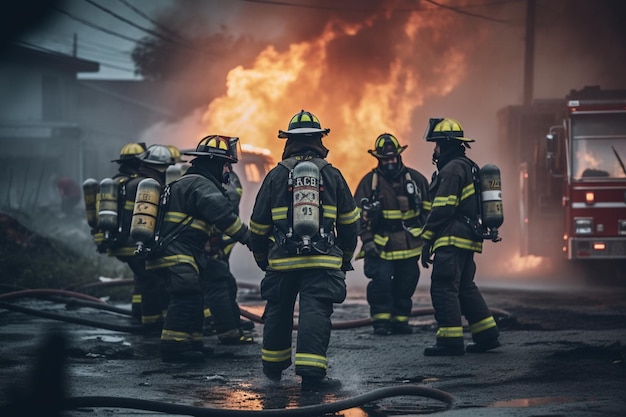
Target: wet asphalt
(563, 354)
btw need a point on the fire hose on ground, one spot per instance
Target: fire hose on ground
(311, 410)
(93, 302)
(157, 406)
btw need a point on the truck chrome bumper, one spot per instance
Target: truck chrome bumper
(596, 248)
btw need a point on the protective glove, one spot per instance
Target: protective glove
(262, 265)
(425, 259)
(245, 239)
(370, 249)
(346, 265)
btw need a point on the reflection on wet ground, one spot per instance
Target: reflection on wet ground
(531, 402)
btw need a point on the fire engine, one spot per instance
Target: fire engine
(571, 156)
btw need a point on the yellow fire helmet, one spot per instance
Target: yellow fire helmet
(303, 123)
(386, 146)
(445, 129)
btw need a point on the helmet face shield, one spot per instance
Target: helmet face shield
(232, 144)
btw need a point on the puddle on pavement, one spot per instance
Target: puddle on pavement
(530, 402)
(249, 397)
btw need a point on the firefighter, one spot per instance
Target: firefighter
(393, 199)
(149, 293)
(449, 234)
(197, 207)
(128, 164)
(305, 251)
(221, 312)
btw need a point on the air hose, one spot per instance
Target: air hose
(312, 410)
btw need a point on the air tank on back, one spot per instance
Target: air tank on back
(107, 205)
(491, 196)
(306, 202)
(90, 197)
(145, 212)
(172, 173)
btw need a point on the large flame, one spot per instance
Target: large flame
(357, 105)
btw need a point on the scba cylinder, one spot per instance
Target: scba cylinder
(172, 173)
(90, 196)
(145, 211)
(491, 194)
(306, 201)
(107, 205)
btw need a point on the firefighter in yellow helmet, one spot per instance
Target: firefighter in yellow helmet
(149, 295)
(393, 199)
(303, 234)
(128, 164)
(197, 208)
(450, 235)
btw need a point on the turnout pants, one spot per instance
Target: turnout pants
(391, 287)
(317, 289)
(454, 293)
(182, 330)
(152, 295)
(220, 297)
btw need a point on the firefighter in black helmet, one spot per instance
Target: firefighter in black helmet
(449, 236)
(197, 208)
(221, 312)
(393, 199)
(303, 235)
(149, 293)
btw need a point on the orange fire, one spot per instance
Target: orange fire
(357, 105)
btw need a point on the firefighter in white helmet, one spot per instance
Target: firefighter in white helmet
(393, 199)
(303, 235)
(450, 236)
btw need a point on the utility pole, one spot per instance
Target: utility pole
(529, 52)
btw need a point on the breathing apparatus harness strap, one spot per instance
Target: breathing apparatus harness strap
(161, 243)
(373, 204)
(290, 242)
(475, 224)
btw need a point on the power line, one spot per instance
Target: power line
(393, 10)
(127, 21)
(149, 19)
(466, 13)
(44, 49)
(93, 25)
(149, 31)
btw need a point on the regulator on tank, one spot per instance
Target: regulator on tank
(306, 202)
(491, 200)
(90, 197)
(108, 206)
(145, 212)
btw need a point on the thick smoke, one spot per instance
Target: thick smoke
(374, 66)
